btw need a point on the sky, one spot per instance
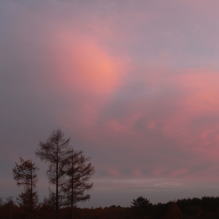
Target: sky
(134, 83)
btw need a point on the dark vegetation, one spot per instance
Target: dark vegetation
(204, 208)
(70, 172)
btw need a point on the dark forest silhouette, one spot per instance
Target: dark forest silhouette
(196, 208)
(70, 172)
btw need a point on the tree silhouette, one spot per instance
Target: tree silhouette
(140, 202)
(25, 175)
(78, 170)
(54, 151)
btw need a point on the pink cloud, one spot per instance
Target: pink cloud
(83, 65)
(198, 102)
(86, 71)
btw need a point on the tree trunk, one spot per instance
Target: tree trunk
(72, 190)
(31, 194)
(57, 183)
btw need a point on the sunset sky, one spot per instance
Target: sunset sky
(134, 83)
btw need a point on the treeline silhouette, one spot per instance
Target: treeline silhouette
(70, 172)
(195, 208)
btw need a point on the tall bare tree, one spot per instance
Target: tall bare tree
(54, 152)
(25, 175)
(78, 170)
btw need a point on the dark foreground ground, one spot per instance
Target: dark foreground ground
(205, 208)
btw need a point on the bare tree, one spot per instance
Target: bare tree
(25, 175)
(54, 151)
(78, 170)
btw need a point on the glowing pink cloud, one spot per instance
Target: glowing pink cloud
(198, 102)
